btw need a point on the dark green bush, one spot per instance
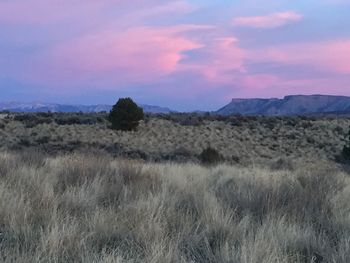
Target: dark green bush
(31, 120)
(346, 149)
(210, 156)
(78, 118)
(24, 142)
(125, 115)
(43, 140)
(283, 164)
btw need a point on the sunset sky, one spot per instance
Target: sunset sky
(184, 54)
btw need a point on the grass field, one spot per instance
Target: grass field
(88, 206)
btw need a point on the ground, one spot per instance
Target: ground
(70, 192)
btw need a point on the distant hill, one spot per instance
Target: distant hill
(289, 105)
(45, 107)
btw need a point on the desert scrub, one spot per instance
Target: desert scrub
(252, 140)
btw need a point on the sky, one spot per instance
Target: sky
(183, 54)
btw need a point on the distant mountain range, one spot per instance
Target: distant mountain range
(45, 107)
(289, 105)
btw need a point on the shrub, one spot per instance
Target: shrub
(339, 130)
(125, 115)
(43, 140)
(210, 156)
(78, 118)
(346, 149)
(24, 142)
(31, 120)
(283, 164)
(188, 119)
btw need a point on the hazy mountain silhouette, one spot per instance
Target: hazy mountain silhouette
(45, 107)
(289, 105)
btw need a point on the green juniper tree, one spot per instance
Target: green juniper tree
(125, 115)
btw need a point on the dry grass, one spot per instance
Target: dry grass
(86, 208)
(243, 140)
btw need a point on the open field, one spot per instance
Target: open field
(243, 140)
(85, 208)
(68, 193)
(174, 131)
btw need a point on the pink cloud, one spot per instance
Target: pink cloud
(141, 55)
(268, 21)
(220, 59)
(333, 56)
(137, 55)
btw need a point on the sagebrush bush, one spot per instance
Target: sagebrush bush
(125, 115)
(210, 156)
